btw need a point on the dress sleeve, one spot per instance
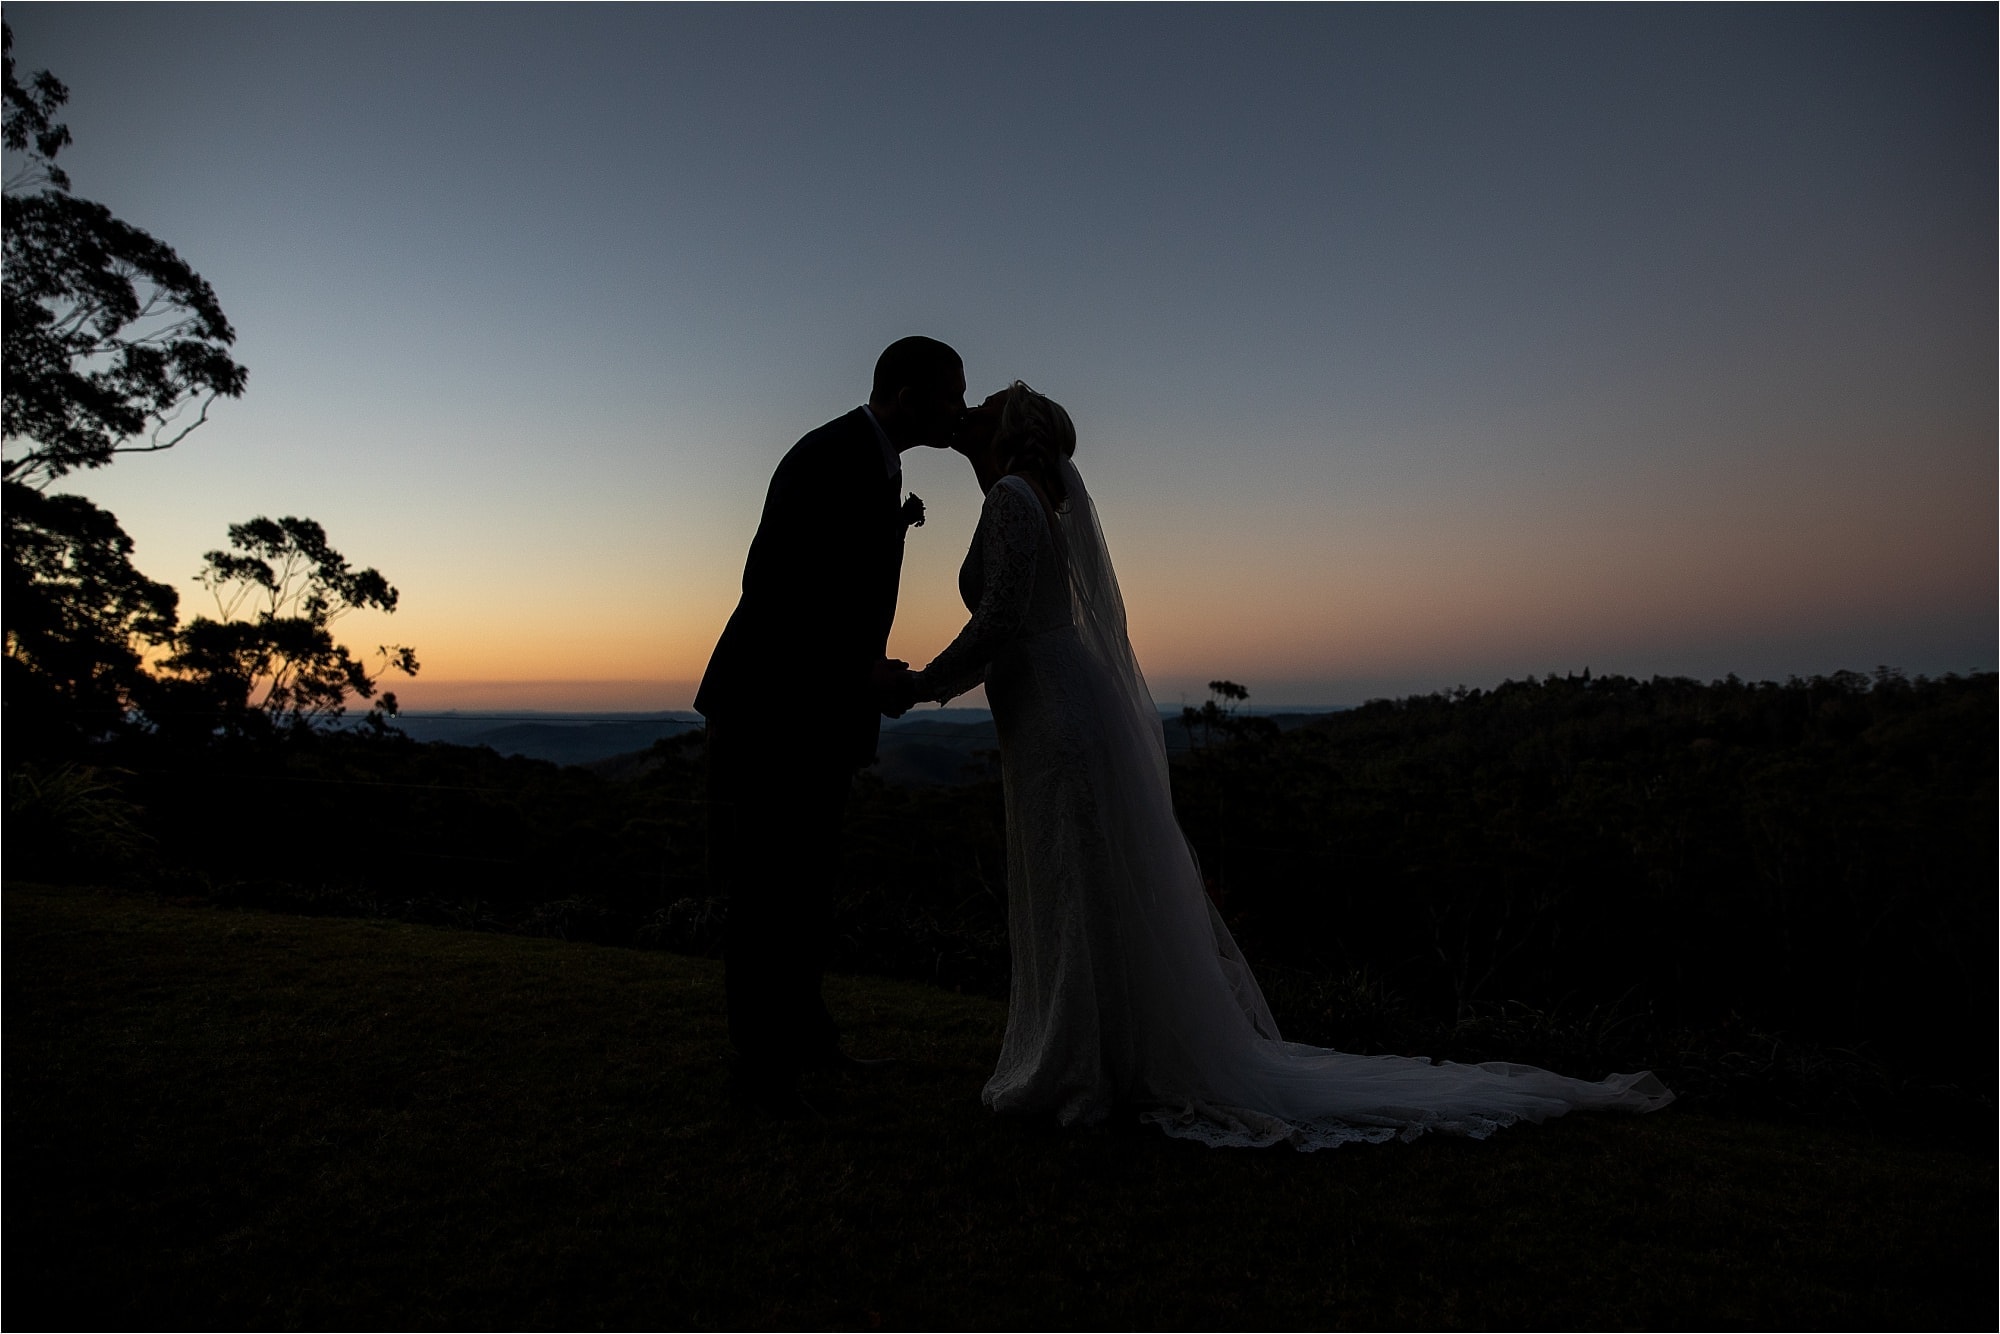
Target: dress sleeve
(1010, 537)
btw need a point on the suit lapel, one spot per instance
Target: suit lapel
(869, 464)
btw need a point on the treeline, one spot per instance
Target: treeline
(1801, 872)
(1782, 893)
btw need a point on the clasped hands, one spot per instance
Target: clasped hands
(895, 686)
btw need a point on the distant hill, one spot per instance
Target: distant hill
(565, 738)
(926, 747)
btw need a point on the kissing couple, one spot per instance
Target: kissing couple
(1128, 995)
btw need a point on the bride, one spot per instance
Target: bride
(1128, 991)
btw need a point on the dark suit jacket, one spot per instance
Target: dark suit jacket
(819, 594)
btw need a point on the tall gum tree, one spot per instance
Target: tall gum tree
(109, 344)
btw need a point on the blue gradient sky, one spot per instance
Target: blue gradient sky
(1408, 346)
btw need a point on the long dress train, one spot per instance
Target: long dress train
(1128, 989)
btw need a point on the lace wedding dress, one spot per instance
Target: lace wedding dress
(1128, 990)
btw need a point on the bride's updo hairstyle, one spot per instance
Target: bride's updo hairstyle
(1034, 436)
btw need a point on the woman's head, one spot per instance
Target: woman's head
(1019, 430)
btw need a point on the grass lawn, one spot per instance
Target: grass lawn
(233, 1119)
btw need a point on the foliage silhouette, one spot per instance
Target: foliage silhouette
(113, 343)
(77, 614)
(82, 821)
(29, 122)
(109, 344)
(1217, 718)
(294, 585)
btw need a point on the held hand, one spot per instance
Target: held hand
(894, 685)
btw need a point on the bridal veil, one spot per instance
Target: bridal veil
(1135, 994)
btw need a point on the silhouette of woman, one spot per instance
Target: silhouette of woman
(1128, 990)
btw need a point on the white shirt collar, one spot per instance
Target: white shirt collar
(892, 458)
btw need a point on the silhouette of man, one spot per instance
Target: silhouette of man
(794, 696)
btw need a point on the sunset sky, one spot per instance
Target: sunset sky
(1407, 346)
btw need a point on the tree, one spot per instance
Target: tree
(1218, 716)
(29, 127)
(113, 344)
(109, 344)
(278, 664)
(75, 611)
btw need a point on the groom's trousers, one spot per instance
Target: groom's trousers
(774, 814)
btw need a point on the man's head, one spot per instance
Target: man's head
(919, 391)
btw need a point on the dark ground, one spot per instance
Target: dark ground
(247, 1120)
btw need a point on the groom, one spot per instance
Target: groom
(819, 594)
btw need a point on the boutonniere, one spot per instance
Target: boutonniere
(913, 511)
